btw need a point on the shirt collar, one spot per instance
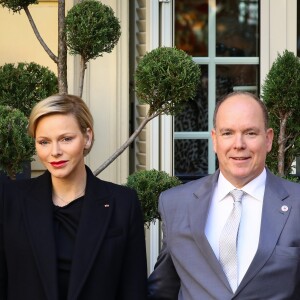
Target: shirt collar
(255, 188)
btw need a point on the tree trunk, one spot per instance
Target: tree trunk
(38, 36)
(81, 76)
(282, 143)
(125, 145)
(62, 50)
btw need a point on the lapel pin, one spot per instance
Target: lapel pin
(284, 208)
(106, 205)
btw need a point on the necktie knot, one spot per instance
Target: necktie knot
(237, 195)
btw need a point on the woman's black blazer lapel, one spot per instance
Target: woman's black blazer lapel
(95, 216)
(38, 215)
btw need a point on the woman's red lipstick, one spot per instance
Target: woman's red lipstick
(58, 164)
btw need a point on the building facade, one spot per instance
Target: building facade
(234, 42)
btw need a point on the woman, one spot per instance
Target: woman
(67, 234)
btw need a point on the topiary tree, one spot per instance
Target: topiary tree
(165, 79)
(17, 5)
(16, 145)
(91, 29)
(22, 85)
(61, 58)
(281, 94)
(148, 185)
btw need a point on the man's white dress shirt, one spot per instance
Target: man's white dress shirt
(249, 230)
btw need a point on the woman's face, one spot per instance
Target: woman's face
(60, 145)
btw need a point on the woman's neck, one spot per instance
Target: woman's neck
(65, 190)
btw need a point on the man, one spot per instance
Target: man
(200, 260)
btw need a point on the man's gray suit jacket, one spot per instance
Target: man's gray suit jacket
(187, 268)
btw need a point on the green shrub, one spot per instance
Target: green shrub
(91, 29)
(16, 145)
(281, 94)
(24, 84)
(166, 78)
(148, 185)
(17, 5)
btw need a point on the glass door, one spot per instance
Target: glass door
(223, 37)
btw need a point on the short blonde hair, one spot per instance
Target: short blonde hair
(62, 104)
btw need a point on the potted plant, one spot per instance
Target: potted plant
(16, 145)
(281, 94)
(148, 185)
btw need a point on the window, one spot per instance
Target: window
(223, 38)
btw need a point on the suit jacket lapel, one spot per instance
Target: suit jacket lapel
(94, 221)
(38, 215)
(198, 212)
(272, 224)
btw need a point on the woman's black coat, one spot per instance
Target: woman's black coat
(109, 257)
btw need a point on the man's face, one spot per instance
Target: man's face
(241, 140)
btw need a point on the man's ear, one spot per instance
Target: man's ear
(213, 137)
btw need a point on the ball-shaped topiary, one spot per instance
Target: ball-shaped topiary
(91, 29)
(17, 5)
(166, 78)
(16, 145)
(148, 185)
(24, 84)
